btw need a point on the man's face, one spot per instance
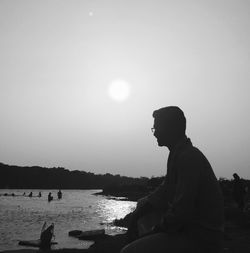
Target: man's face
(162, 133)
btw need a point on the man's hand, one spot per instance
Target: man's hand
(170, 224)
(142, 209)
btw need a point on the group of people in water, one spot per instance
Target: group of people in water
(31, 195)
(50, 197)
(59, 195)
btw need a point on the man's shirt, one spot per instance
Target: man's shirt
(190, 193)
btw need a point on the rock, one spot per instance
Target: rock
(88, 235)
(75, 233)
(110, 244)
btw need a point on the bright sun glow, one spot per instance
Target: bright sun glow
(119, 90)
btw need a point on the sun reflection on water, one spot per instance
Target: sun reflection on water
(110, 210)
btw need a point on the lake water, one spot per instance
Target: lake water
(22, 217)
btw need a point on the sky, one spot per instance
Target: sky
(60, 58)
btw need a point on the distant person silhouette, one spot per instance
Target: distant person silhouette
(31, 194)
(39, 194)
(185, 213)
(50, 197)
(239, 191)
(59, 194)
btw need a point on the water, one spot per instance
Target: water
(21, 217)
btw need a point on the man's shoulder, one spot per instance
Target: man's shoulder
(190, 150)
(192, 153)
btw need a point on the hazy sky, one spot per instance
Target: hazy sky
(58, 59)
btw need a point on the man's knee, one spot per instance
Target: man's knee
(127, 249)
(147, 244)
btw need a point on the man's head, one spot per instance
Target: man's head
(236, 176)
(169, 125)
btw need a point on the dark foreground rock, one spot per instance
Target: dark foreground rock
(237, 240)
(106, 244)
(111, 244)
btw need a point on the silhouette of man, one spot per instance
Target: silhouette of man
(239, 191)
(50, 197)
(188, 206)
(59, 194)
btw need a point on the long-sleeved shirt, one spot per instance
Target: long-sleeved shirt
(190, 192)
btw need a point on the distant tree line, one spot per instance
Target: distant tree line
(35, 177)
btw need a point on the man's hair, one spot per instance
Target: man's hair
(171, 116)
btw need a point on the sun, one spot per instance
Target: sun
(119, 90)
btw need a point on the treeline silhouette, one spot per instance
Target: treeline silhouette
(227, 187)
(133, 192)
(35, 177)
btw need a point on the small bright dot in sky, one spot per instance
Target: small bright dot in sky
(119, 90)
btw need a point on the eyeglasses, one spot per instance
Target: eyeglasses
(153, 130)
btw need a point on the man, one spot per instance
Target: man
(239, 191)
(188, 204)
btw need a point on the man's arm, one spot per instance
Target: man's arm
(157, 199)
(187, 189)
